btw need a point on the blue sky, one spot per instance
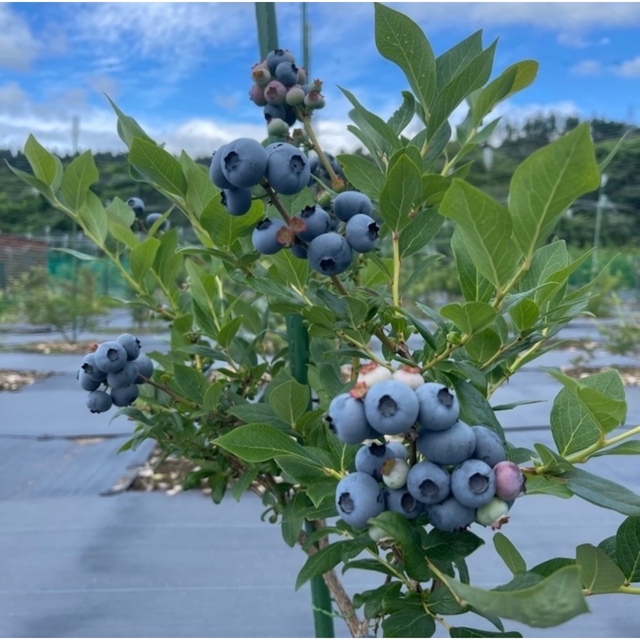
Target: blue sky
(182, 69)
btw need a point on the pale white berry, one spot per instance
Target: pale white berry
(410, 376)
(395, 472)
(373, 373)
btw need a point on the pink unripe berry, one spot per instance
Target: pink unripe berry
(275, 92)
(302, 75)
(295, 95)
(373, 373)
(411, 376)
(256, 95)
(509, 480)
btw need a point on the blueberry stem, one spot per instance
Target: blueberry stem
(273, 196)
(315, 145)
(395, 283)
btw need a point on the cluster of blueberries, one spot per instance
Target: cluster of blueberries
(244, 163)
(279, 87)
(464, 476)
(138, 208)
(120, 367)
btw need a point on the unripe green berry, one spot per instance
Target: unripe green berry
(395, 472)
(493, 513)
(277, 128)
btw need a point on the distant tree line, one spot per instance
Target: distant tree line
(22, 211)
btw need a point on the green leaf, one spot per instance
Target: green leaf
(228, 332)
(77, 178)
(292, 270)
(93, 218)
(547, 182)
(630, 448)
(289, 400)
(475, 408)
(410, 622)
(474, 286)
(200, 190)
(292, 521)
(485, 229)
(400, 40)
(548, 485)
(586, 409)
(451, 62)
(612, 154)
(628, 548)
(525, 314)
(128, 128)
(548, 567)
(418, 272)
(598, 573)
(445, 546)
(363, 174)
(158, 166)
(243, 483)
(259, 442)
(468, 79)
(511, 556)
(469, 317)
(32, 181)
(224, 229)
(46, 167)
(467, 632)
(385, 132)
(548, 603)
(190, 382)
(142, 257)
(399, 528)
(602, 492)
(321, 561)
(258, 412)
(402, 188)
(419, 232)
(511, 80)
(404, 114)
(437, 144)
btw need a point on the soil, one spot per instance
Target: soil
(630, 375)
(167, 475)
(57, 347)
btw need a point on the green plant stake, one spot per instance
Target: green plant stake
(297, 336)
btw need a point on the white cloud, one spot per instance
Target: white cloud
(587, 68)
(629, 68)
(18, 47)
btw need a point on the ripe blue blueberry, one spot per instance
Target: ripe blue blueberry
(110, 356)
(489, 446)
(439, 407)
(265, 236)
(145, 369)
(358, 498)
(428, 483)
(236, 200)
(123, 378)
(86, 382)
(287, 170)
(391, 407)
(272, 111)
(287, 73)
(316, 222)
(362, 233)
(346, 419)
(152, 218)
(473, 483)
(99, 401)
(137, 205)
(131, 345)
(90, 368)
(298, 249)
(450, 515)
(215, 169)
(290, 116)
(275, 57)
(243, 162)
(401, 501)
(330, 254)
(349, 203)
(370, 458)
(124, 396)
(451, 446)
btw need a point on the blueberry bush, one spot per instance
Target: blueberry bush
(383, 452)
